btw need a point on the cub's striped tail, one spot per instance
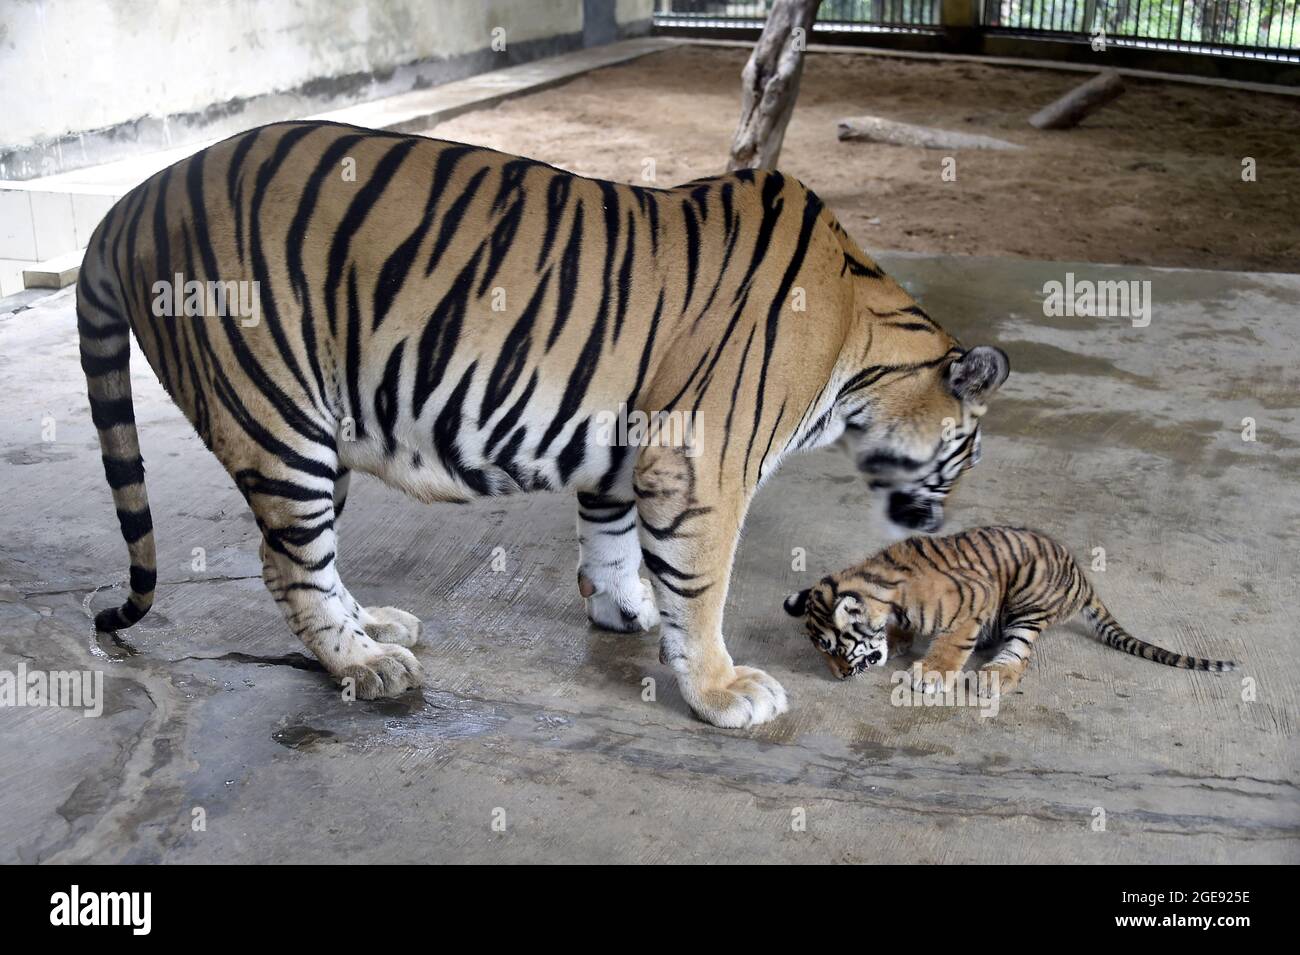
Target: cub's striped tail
(105, 358)
(1107, 629)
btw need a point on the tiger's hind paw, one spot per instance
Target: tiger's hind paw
(390, 625)
(386, 670)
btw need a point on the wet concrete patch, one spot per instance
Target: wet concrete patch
(302, 737)
(1042, 358)
(37, 454)
(1273, 393)
(1183, 441)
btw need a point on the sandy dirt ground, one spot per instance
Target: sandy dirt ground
(1154, 179)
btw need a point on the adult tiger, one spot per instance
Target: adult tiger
(376, 347)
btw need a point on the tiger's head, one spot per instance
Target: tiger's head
(916, 430)
(850, 629)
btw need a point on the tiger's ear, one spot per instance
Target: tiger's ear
(978, 373)
(847, 609)
(796, 605)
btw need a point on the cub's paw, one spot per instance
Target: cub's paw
(750, 697)
(927, 681)
(994, 680)
(390, 625)
(625, 610)
(385, 670)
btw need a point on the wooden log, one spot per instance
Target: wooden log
(874, 129)
(1067, 111)
(769, 85)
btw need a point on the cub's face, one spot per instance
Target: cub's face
(850, 630)
(920, 431)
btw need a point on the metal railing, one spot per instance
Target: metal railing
(1255, 28)
(1224, 27)
(843, 16)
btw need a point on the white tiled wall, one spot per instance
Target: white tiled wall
(53, 224)
(38, 226)
(87, 211)
(11, 276)
(17, 233)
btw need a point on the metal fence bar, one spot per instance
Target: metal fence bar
(1228, 27)
(1268, 28)
(843, 15)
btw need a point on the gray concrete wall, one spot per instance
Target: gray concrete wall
(86, 81)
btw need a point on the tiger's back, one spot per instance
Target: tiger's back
(436, 277)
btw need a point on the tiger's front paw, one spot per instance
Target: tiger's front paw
(747, 698)
(927, 679)
(936, 678)
(624, 609)
(998, 679)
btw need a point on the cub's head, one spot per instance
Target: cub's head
(916, 429)
(850, 629)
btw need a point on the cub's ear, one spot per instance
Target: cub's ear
(796, 605)
(978, 373)
(847, 610)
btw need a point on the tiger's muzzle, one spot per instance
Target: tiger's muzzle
(843, 669)
(914, 513)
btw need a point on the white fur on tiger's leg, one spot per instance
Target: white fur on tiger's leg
(689, 546)
(385, 624)
(341, 485)
(609, 564)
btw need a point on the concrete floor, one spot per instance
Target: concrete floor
(1106, 435)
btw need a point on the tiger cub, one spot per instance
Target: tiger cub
(980, 588)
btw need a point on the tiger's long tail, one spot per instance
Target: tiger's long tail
(1107, 629)
(105, 338)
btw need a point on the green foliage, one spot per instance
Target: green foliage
(1273, 23)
